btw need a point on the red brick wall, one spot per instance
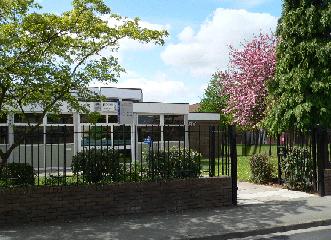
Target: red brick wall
(327, 181)
(41, 204)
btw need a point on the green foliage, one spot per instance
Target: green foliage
(93, 117)
(261, 168)
(298, 169)
(47, 59)
(173, 164)
(17, 174)
(244, 170)
(57, 180)
(95, 132)
(212, 100)
(96, 165)
(300, 94)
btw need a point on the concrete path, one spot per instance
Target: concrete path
(249, 193)
(261, 214)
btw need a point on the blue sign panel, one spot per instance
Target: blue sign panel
(148, 140)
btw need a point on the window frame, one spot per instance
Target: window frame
(173, 124)
(149, 124)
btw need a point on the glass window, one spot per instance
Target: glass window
(112, 119)
(174, 133)
(85, 118)
(3, 118)
(154, 132)
(122, 134)
(174, 119)
(96, 136)
(3, 135)
(59, 134)
(60, 119)
(28, 118)
(149, 119)
(28, 135)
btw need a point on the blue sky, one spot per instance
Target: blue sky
(200, 32)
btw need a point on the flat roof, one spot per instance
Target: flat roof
(123, 88)
(122, 93)
(160, 108)
(164, 103)
(203, 116)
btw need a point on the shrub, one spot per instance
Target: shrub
(175, 163)
(261, 168)
(17, 174)
(298, 169)
(98, 165)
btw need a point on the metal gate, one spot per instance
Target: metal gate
(223, 155)
(317, 143)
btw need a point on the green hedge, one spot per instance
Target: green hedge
(298, 169)
(261, 168)
(97, 165)
(175, 163)
(16, 174)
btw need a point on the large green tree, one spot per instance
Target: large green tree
(47, 59)
(213, 100)
(301, 92)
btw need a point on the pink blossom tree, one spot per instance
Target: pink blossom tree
(250, 68)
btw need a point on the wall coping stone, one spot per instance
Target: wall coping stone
(100, 187)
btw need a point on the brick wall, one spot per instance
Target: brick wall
(327, 181)
(41, 204)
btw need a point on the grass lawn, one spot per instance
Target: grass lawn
(244, 171)
(254, 149)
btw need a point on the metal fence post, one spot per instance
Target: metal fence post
(279, 166)
(212, 151)
(321, 158)
(65, 155)
(270, 139)
(233, 156)
(313, 153)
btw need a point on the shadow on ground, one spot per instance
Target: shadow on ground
(192, 224)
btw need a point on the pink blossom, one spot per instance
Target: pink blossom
(245, 81)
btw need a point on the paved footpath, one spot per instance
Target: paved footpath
(261, 210)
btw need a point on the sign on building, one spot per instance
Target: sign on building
(109, 107)
(148, 141)
(125, 112)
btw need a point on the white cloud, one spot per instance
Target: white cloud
(186, 35)
(154, 26)
(205, 51)
(112, 22)
(159, 88)
(127, 44)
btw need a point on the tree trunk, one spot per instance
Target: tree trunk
(4, 156)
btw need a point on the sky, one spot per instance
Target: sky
(200, 32)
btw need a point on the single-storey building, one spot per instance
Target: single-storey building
(125, 121)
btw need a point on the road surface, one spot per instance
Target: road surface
(315, 233)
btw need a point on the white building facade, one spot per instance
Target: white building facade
(58, 138)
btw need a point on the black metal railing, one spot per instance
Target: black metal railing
(102, 154)
(316, 155)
